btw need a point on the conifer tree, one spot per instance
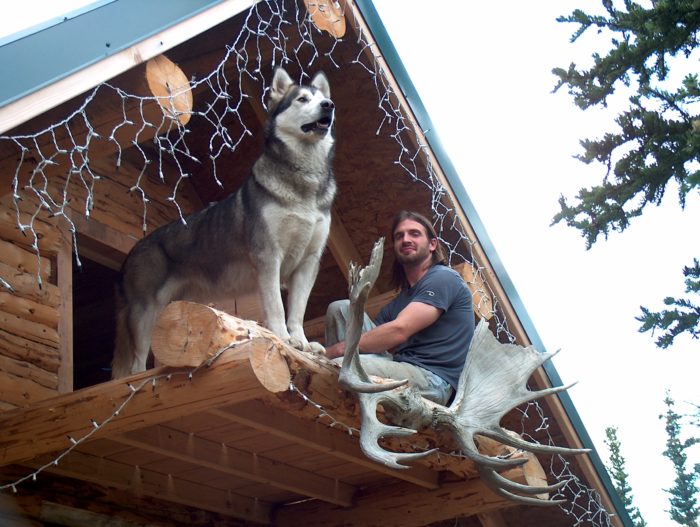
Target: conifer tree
(617, 470)
(656, 140)
(684, 493)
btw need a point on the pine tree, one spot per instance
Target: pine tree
(657, 138)
(684, 493)
(616, 468)
(684, 315)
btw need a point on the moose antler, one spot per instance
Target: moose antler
(493, 382)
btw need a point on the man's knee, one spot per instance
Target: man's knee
(337, 308)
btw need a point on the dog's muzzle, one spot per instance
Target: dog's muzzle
(323, 124)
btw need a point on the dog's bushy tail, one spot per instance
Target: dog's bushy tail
(123, 357)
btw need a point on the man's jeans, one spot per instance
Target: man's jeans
(430, 385)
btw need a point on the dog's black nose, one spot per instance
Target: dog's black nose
(327, 104)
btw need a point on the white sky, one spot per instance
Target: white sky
(484, 74)
(21, 15)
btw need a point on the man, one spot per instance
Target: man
(428, 327)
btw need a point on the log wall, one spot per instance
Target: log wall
(36, 316)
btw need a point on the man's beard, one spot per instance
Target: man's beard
(418, 257)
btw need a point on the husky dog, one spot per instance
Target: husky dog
(269, 234)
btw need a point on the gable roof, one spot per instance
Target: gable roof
(156, 26)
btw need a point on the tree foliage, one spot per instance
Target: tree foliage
(684, 493)
(617, 470)
(683, 315)
(657, 138)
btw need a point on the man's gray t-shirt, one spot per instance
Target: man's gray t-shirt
(441, 347)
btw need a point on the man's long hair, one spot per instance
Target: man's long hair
(398, 275)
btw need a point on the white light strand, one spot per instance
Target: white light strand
(97, 426)
(267, 23)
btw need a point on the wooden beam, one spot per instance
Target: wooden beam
(62, 90)
(101, 243)
(47, 426)
(64, 268)
(401, 505)
(60, 514)
(492, 519)
(229, 460)
(145, 482)
(341, 246)
(318, 437)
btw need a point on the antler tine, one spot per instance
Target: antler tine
(503, 486)
(500, 434)
(373, 430)
(352, 375)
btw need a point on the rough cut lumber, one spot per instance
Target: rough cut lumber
(317, 436)
(143, 481)
(341, 245)
(483, 303)
(239, 463)
(64, 277)
(46, 427)
(401, 505)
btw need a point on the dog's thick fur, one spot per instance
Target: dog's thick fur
(269, 234)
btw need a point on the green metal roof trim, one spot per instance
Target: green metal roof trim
(392, 58)
(51, 53)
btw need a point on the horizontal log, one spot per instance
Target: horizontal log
(27, 329)
(28, 309)
(25, 370)
(48, 235)
(21, 391)
(187, 334)
(41, 355)
(25, 260)
(25, 285)
(47, 426)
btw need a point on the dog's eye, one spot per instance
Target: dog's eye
(303, 99)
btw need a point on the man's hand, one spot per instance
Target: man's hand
(336, 350)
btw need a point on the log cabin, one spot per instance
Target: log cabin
(126, 115)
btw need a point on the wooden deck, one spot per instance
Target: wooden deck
(263, 434)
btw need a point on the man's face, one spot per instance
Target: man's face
(411, 243)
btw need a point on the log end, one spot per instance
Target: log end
(187, 334)
(171, 87)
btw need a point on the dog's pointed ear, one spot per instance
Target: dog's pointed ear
(320, 81)
(281, 82)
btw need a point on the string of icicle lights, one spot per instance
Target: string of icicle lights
(60, 160)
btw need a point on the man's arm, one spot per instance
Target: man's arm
(413, 318)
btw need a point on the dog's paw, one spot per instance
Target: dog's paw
(315, 347)
(296, 343)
